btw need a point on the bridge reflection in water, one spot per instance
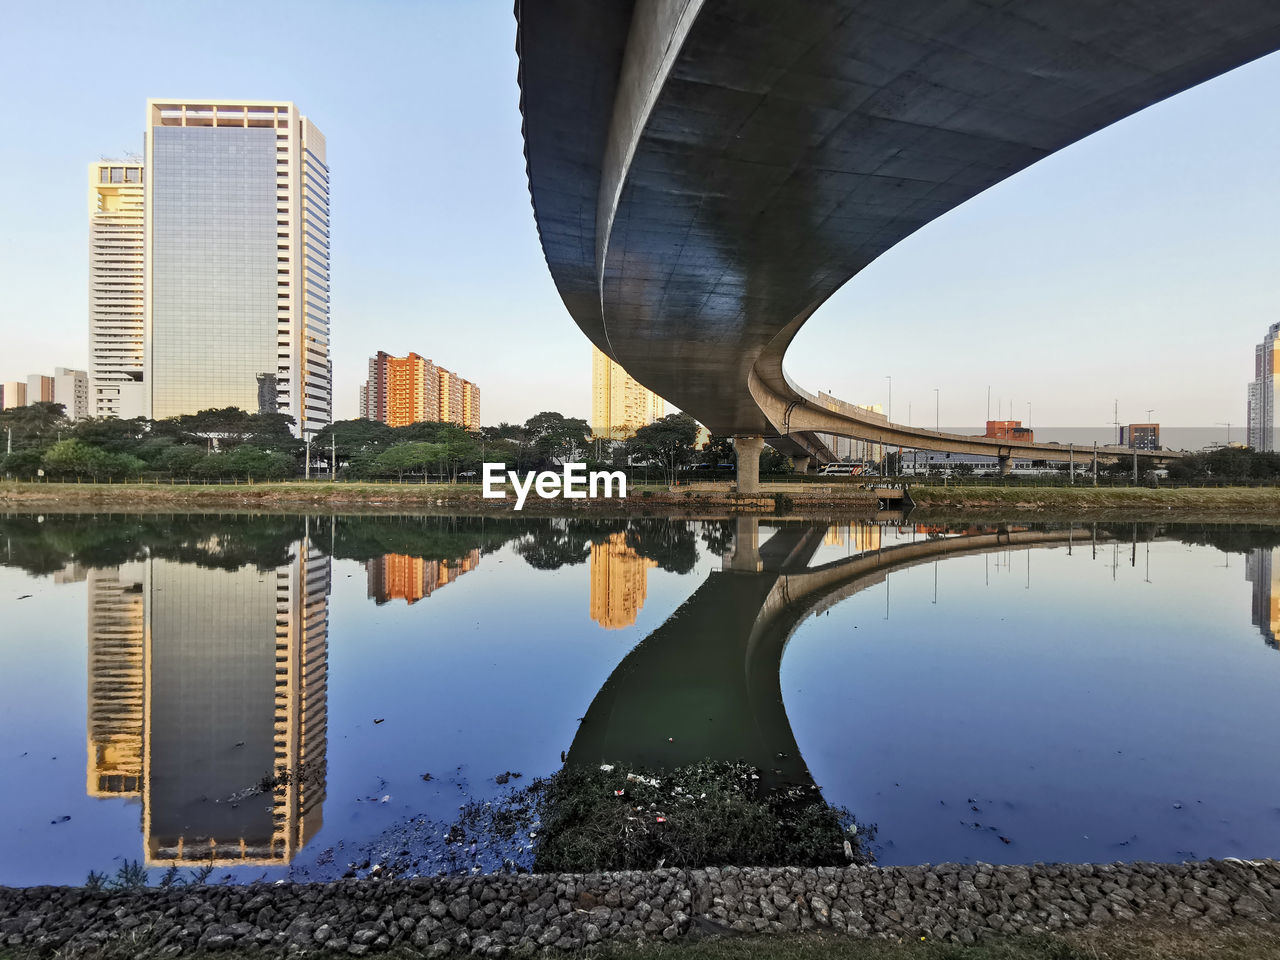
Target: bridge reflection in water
(208, 662)
(707, 682)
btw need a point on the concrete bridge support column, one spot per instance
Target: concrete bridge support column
(1006, 466)
(748, 449)
(800, 464)
(746, 546)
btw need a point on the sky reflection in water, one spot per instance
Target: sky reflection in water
(1093, 703)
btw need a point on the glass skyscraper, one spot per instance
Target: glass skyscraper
(236, 261)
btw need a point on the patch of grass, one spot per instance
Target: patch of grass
(704, 814)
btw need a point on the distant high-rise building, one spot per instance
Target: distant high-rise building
(400, 390)
(412, 389)
(71, 389)
(39, 389)
(15, 394)
(619, 578)
(1140, 436)
(620, 405)
(202, 682)
(470, 405)
(1010, 430)
(399, 577)
(1263, 572)
(236, 260)
(116, 321)
(1262, 392)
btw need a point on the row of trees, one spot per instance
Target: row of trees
(231, 443)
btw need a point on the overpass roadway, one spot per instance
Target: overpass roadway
(706, 173)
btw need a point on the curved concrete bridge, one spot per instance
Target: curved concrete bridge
(707, 682)
(706, 173)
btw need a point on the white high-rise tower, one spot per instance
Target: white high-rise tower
(1262, 392)
(115, 290)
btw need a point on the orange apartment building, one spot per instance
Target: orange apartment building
(412, 389)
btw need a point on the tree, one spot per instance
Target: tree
(35, 425)
(75, 459)
(229, 427)
(178, 461)
(69, 458)
(717, 450)
(353, 438)
(24, 463)
(245, 461)
(669, 442)
(773, 463)
(409, 457)
(555, 437)
(110, 433)
(458, 452)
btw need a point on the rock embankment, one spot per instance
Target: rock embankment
(503, 914)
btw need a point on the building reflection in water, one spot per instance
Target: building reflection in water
(399, 577)
(1261, 570)
(858, 537)
(619, 581)
(203, 684)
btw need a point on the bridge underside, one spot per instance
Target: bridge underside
(706, 173)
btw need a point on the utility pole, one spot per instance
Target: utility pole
(1095, 463)
(988, 401)
(937, 419)
(1228, 426)
(333, 456)
(1115, 420)
(888, 411)
(307, 469)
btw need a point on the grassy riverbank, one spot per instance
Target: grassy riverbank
(995, 502)
(1127, 942)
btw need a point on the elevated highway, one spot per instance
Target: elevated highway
(706, 173)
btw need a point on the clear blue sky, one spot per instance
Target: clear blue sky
(1141, 264)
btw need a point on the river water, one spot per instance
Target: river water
(287, 696)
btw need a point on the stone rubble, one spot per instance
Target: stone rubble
(498, 915)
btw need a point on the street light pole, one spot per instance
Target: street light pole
(888, 413)
(937, 417)
(1228, 426)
